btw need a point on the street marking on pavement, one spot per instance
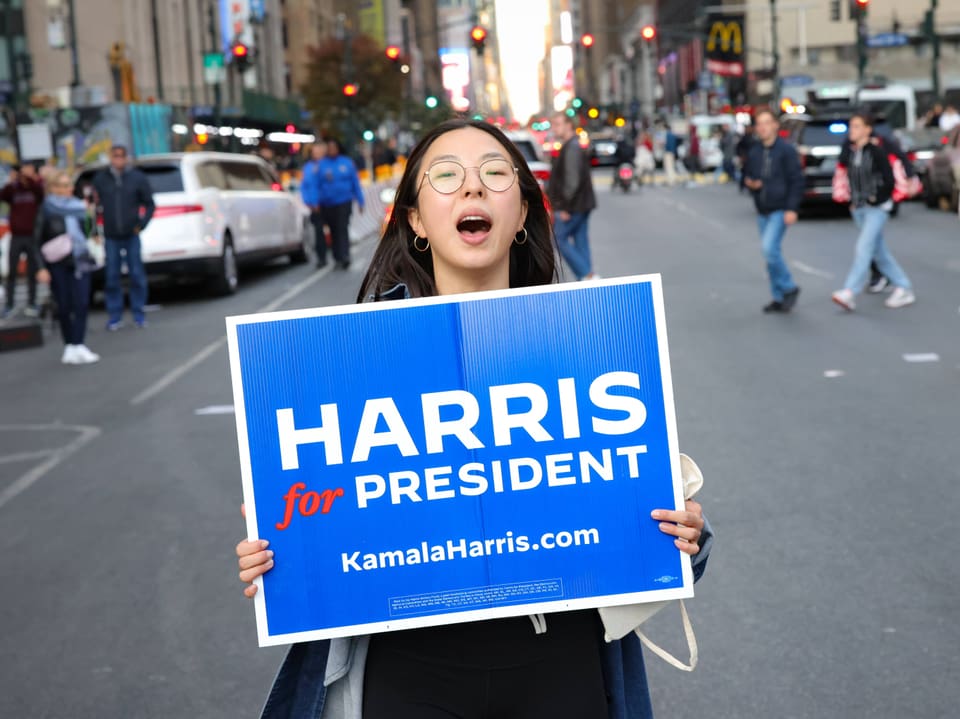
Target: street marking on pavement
(691, 212)
(922, 357)
(803, 267)
(834, 373)
(214, 409)
(86, 435)
(26, 456)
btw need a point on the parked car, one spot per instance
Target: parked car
(818, 141)
(921, 145)
(943, 173)
(533, 153)
(214, 213)
(603, 149)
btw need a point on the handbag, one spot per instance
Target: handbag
(96, 251)
(57, 249)
(620, 621)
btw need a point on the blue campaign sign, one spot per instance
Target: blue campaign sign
(448, 459)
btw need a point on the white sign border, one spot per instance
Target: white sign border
(265, 639)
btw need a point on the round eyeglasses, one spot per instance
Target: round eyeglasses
(448, 176)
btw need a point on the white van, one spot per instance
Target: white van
(215, 211)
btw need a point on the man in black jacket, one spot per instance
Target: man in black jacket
(774, 176)
(126, 201)
(571, 193)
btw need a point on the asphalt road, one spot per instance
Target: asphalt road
(830, 461)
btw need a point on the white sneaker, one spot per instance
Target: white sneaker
(70, 355)
(844, 298)
(879, 286)
(84, 355)
(900, 297)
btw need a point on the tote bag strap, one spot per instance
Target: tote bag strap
(667, 656)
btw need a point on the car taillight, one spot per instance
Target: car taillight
(912, 156)
(171, 210)
(543, 175)
(276, 187)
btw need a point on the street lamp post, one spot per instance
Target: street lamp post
(775, 44)
(74, 54)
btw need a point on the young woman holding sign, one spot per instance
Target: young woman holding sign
(469, 216)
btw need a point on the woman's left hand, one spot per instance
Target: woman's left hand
(686, 526)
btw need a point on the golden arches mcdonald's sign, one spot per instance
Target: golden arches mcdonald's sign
(725, 45)
(728, 35)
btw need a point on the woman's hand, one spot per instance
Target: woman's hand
(255, 560)
(686, 526)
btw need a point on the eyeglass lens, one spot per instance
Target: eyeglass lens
(448, 176)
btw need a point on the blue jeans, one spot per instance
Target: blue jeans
(130, 246)
(772, 228)
(72, 293)
(870, 246)
(577, 251)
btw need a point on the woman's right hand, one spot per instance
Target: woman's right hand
(255, 560)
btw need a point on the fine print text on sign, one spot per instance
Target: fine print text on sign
(458, 458)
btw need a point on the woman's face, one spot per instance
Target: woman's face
(472, 229)
(859, 130)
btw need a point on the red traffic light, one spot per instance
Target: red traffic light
(478, 34)
(350, 89)
(648, 33)
(240, 50)
(393, 52)
(863, 3)
(587, 40)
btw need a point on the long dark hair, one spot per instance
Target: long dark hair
(397, 262)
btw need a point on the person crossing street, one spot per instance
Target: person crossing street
(774, 176)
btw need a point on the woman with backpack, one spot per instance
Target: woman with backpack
(864, 179)
(469, 216)
(61, 234)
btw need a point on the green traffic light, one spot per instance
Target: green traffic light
(431, 102)
(571, 112)
(368, 135)
(577, 103)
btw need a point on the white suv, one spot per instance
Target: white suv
(215, 211)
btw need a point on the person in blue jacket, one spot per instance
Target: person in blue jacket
(310, 194)
(774, 176)
(330, 186)
(469, 216)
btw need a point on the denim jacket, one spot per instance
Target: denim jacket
(324, 679)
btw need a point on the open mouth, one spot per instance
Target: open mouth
(474, 225)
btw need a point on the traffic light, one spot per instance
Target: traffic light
(241, 56)
(587, 40)
(593, 113)
(431, 102)
(350, 89)
(479, 37)
(393, 54)
(858, 8)
(577, 103)
(648, 33)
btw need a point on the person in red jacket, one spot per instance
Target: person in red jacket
(24, 194)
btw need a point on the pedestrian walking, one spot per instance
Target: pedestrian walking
(570, 190)
(24, 195)
(671, 145)
(864, 179)
(728, 146)
(469, 216)
(643, 158)
(310, 194)
(126, 202)
(774, 176)
(339, 187)
(692, 159)
(60, 231)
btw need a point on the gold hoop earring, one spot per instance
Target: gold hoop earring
(417, 247)
(526, 236)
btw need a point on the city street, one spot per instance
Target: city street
(828, 443)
